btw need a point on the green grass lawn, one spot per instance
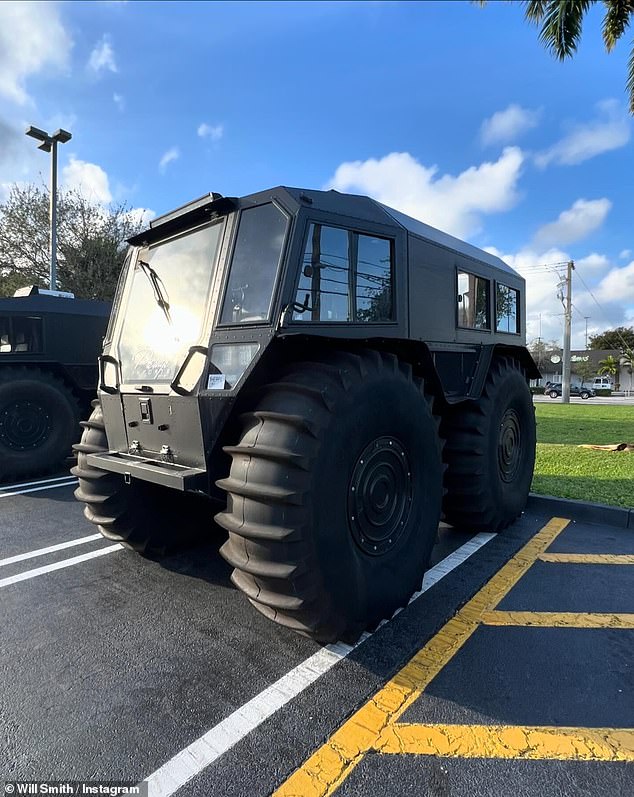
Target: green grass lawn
(563, 469)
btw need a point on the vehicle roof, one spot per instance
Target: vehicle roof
(364, 207)
(354, 206)
(54, 304)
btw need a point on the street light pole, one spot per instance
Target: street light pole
(53, 218)
(49, 144)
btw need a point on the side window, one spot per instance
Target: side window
(325, 277)
(20, 335)
(5, 336)
(506, 318)
(473, 302)
(374, 279)
(254, 266)
(345, 276)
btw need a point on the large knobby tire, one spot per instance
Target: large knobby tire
(150, 519)
(490, 452)
(39, 422)
(334, 494)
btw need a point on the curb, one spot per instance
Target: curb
(582, 510)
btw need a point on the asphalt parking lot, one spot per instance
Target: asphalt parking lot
(511, 673)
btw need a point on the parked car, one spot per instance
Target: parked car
(554, 391)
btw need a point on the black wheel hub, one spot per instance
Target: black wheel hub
(24, 425)
(380, 496)
(509, 446)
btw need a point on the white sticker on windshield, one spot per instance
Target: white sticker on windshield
(216, 382)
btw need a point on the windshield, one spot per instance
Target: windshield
(166, 304)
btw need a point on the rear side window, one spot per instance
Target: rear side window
(473, 301)
(346, 276)
(20, 335)
(506, 317)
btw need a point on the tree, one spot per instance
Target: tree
(560, 23)
(619, 338)
(609, 366)
(543, 350)
(584, 370)
(91, 242)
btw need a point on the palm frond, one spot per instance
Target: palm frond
(617, 18)
(534, 10)
(561, 25)
(630, 79)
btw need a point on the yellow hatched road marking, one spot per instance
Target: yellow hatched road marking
(559, 619)
(588, 558)
(332, 763)
(510, 741)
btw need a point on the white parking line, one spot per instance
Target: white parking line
(51, 549)
(35, 483)
(190, 761)
(37, 489)
(75, 560)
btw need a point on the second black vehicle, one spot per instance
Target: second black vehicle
(554, 391)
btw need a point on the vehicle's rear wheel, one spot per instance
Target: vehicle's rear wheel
(490, 452)
(39, 421)
(585, 395)
(150, 519)
(334, 494)
(553, 394)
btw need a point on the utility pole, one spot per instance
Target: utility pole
(49, 144)
(586, 318)
(565, 381)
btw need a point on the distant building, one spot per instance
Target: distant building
(552, 371)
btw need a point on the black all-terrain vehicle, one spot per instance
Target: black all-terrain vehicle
(337, 373)
(48, 372)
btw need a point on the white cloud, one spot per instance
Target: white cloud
(618, 285)
(214, 132)
(451, 203)
(593, 262)
(88, 179)
(102, 57)
(583, 218)
(32, 38)
(505, 126)
(609, 130)
(119, 101)
(172, 154)
(625, 254)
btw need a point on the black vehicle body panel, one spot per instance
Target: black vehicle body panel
(72, 332)
(190, 430)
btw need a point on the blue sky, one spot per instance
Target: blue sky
(450, 112)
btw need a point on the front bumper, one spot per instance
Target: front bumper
(167, 474)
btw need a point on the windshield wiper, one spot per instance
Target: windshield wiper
(160, 294)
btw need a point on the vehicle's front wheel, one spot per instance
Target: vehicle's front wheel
(585, 395)
(150, 519)
(334, 494)
(553, 394)
(490, 452)
(39, 421)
